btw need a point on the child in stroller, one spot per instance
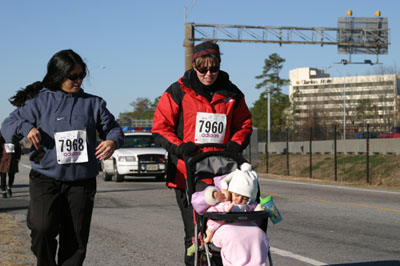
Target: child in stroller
(241, 242)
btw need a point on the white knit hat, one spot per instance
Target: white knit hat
(244, 182)
(225, 181)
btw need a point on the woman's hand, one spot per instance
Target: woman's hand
(105, 149)
(34, 137)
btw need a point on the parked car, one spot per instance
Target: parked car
(394, 133)
(139, 156)
(363, 135)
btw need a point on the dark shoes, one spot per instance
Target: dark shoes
(4, 194)
(9, 192)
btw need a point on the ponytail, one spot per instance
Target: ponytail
(23, 95)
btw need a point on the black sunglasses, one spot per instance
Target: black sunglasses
(74, 77)
(204, 70)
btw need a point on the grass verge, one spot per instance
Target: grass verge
(384, 170)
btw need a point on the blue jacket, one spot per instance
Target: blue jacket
(57, 111)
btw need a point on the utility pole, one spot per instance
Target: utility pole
(188, 44)
(344, 100)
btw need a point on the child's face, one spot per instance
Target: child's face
(239, 199)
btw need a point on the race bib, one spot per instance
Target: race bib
(71, 146)
(9, 147)
(210, 128)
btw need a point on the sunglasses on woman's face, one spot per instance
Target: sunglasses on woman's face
(75, 76)
(204, 70)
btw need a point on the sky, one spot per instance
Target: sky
(135, 48)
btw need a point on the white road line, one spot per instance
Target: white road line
(25, 165)
(331, 186)
(285, 253)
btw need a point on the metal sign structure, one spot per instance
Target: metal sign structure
(353, 35)
(371, 35)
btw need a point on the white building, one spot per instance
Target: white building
(357, 100)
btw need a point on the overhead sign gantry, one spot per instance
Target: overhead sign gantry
(354, 35)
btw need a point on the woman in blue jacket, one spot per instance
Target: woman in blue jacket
(61, 121)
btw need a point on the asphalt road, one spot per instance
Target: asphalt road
(335, 225)
(138, 223)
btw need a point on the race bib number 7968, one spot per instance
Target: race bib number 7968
(71, 146)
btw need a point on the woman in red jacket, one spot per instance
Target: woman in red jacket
(203, 106)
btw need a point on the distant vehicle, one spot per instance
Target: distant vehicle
(139, 156)
(394, 133)
(363, 135)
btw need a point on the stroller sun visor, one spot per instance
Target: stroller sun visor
(209, 165)
(213, 166)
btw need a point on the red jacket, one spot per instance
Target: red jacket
(174, 120)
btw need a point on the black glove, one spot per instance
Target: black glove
(186, 148)
(232, 146)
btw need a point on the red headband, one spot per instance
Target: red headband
(208, 48)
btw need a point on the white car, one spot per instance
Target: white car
(139, 156)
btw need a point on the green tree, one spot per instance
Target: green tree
(279, 102)
(143, 109)
(270, 76)
(271, 82)
(366, 110)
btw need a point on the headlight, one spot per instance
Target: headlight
(127, 158)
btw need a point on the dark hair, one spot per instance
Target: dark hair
(200, 61)
(58, 68)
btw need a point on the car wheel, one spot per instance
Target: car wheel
(106, 177)
(118, 177)
(160, 177)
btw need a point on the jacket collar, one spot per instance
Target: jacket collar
(221, 86)
(61, 93)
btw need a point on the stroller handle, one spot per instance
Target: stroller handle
(212, 145)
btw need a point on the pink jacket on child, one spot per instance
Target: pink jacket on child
(241, 243)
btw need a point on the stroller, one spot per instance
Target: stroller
(208, 165)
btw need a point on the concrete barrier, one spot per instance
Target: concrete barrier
(351, 146)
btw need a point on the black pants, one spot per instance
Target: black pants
(63, 209)
(4, 180)
(187, 217)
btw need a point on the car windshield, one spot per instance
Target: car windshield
(139, 141)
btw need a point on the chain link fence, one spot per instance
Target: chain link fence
(329, 154)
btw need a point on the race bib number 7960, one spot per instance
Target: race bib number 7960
(210, 128)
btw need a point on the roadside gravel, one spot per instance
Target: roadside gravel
(14, 240)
